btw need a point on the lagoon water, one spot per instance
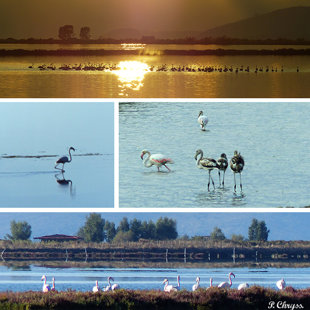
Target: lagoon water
(35, 134)
(83, 279)
(135, 80)
(273, 138)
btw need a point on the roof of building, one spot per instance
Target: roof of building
(58, 237)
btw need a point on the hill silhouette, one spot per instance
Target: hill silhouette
(290, 23)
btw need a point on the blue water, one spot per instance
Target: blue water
(273, 138)
(83, 279)
(47, 129)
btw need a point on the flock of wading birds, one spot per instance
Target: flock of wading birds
(236, 163)
(167, 288)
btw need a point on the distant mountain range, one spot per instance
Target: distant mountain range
(282, 226)
(290, 23)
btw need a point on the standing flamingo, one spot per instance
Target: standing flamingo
(64, 159)
(236, 165)
(109, 286)
(202, 120)
(226, 284)
(46, 288)
(96, 288)
(281, 284)
(115, 286)
(53, 283)
(211, 283)
(196, 285)
(223, 164)
(171, 288)
(155, 159)
(207, 164)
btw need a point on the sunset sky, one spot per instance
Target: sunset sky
(38, 18)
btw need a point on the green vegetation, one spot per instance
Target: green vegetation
(214, 298)
(97, 229)
(19, 231)
(258, 231)
(217, 234)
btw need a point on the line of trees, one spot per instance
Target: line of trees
(97, 229)
(66, 33)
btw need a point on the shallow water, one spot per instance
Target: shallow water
(272, 137)
(134, 81)
(35, 135)
(83, 279)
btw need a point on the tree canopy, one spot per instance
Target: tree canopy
(258, 231)
(19, 231)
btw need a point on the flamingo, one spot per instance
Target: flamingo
(109, 286)
(196, 285)
(156, 159)
(171, 288)
(236, 165)
(202, 120)
(207, 164)
(226, 284)
(64, 159)
(243, 286)
(96, 288)
(223, 164)
(115, 286)
(281, 284)
(53, 287)
(46, 288)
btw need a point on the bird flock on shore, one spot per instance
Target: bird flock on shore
(167, 287)
(206, 163)
(161, 68)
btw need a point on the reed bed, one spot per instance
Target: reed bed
(213, 298)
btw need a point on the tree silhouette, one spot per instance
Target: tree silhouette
(66, 32)
(85, 33)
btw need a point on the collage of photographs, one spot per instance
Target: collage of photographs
(154, 154)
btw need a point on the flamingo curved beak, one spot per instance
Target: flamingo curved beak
(142, 154)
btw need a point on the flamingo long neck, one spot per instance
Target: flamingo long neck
(211, 280)
(199, 159)
(109, 281)
(70, 155)
(44, 281)
(230, 282)
(178, 280)
(146, 161)
(53, 283)
(167, 283)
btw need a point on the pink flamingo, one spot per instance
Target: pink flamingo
(196, 285)
(226, 284)
(243, 286)
(156, 159)
(171, 288)
(115, 286)
(96, 288)
(281, 284)
(46, 288)
(211, 283)
(109, 286)
(53, 287)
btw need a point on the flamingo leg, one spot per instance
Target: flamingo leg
(157, 168)
(212, 181)
(167, 167)
(235, 181)
(223, 178)
(219, 177)
(240, 183)
(209, 182)
(57, 167)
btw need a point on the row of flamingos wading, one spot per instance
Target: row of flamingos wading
(167, 288)
(206, 163)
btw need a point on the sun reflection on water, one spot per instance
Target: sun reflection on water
(130, 75)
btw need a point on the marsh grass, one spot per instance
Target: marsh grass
(213, 298)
